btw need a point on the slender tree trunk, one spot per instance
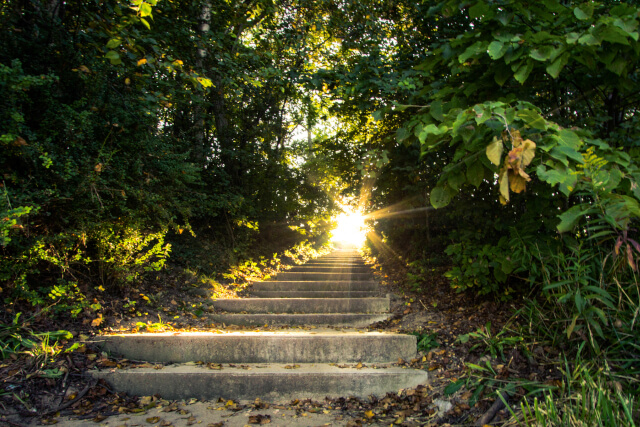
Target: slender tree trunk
(200, 150)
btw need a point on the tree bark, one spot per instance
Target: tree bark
(200, 150)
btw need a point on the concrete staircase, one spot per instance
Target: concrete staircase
(333, 291)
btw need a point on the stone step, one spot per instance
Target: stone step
(337, 285)
(271, 383)
(328, 269)
(319, 346)
(313, 294)
(353, 320)
(289, 276)
(339, 259)
(336, 263)
(303, 305)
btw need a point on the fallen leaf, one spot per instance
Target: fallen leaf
(260, 419)
(153, 420)
(145, 400)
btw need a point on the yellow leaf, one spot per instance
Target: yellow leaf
(204, 82)
(177, 62)
(127, 81)
(369, 414)
(516, 139)
(96, 322)
(153, 420)
(503, 180)
(529, 152)
(494, 151)
(516, 182)
(98, 167)
(142, 61)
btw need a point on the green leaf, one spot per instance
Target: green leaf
(496, 49)
(145, 23)
(589, 40)
(114, 57)
(561, 153)
(482, 114)
(618, 66)
(533, 119)
(463, 339)
(436, 110)
(556, 66)
(494, 151)
(572, 326)
(502, 74)
(583, 12)
(456, 180)
(568, 138)
(523, 71)
(475, 173)
(478, 10)
(440, 197)
(542, 53)
(113, 43)
(614, 34)
(145, 9)
(569, 219)
(472, 50)
(402, 134)
(453, 387)
(572, 38)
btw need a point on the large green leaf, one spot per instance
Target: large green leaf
(569, 219)
(556, 66)
(589, 40)
(440, 197)
(473, 50)
(533, 119)
(583, 12)
(457, 179)
(523, 71)
(475, 173)
(566, 177)
(502, 74)
(542, 53)
(436, 110)
(568, 138)
(496, 49)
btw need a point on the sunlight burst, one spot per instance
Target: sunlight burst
(351, 229)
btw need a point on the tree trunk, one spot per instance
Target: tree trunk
(200, 150)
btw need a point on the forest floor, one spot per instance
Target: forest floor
(51, 386)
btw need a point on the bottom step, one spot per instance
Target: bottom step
(353, 320)
(271, 383)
